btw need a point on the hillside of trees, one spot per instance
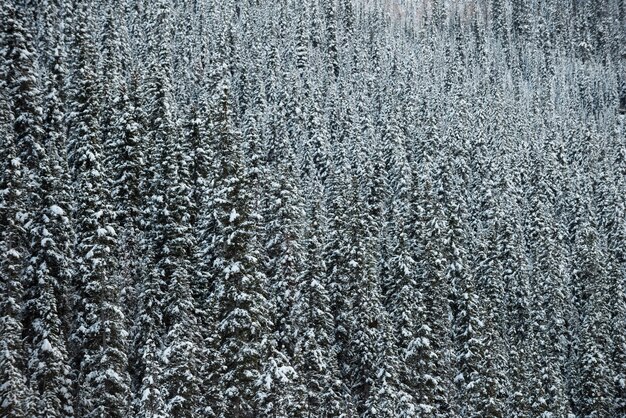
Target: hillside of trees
(312, 208)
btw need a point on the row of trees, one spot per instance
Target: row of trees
(312, 209)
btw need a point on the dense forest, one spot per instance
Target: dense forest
(312, 208)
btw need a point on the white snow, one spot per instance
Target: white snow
(57, 210)
(46, 346)
(233, 215)
(283, 373)
(145, 394)
(232, 268)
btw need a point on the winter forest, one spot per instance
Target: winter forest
(312, 208)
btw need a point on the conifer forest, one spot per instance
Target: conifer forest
(313, 208)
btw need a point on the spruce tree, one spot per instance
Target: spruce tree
(172, 240)
(594, 347)
(100, 332)
(18, 135)
(242, 309)
(47, 277)
(548, 305)
(429, 351)
(314, 357)
(48, 269)
(369, 354)
(167, 336)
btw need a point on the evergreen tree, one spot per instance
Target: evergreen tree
(242, 310)
(595, 346)
(48, 275)
(369, 353)
(284, 229)
(48, 268)
(429, 350)
(19, 132)
(172, 240)
(547, 322)
(99, 331)
(314, 354)
(490, 271)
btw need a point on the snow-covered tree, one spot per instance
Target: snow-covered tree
(100, 333)
(242, 309)
(19, 116)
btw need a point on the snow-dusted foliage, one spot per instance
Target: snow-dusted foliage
(312, 208)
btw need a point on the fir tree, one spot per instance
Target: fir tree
(48, 268)
(319, 208)
(595, 346)
(429, 350)
(99, 332)
(314, 354)
(242, 311)
(18, 135)
(172, 240)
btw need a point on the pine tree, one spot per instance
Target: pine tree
(331, 37)
(47, 271)
(318, 208)
(242, 310)
(48, 275)
(198, 139)
(127, 181)
(170, 330)
(429, 350)
(594, 389)
(111, 76)
(498, 19)
(284, 229)
(490, 271)
(173, 250)
(60, 188)
(549, 303)
(467, 327)
(17, 87)
(516, 294)
(404, 300)
(315, 359)
(99, 331)
(368, 354)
